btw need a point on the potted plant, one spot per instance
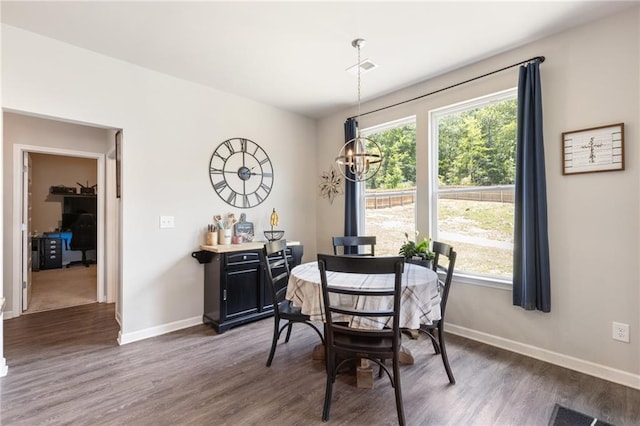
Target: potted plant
(418, 253)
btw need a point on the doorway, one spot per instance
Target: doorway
(62, 190)
(54, 138)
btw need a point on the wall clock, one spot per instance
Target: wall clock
(241, 172)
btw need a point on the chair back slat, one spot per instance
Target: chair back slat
(355, 292)
(362, 312)
(348, 243)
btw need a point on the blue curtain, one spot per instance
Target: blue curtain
(350, 188)
(531, 278)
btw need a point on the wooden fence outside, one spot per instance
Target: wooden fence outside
(380, 199)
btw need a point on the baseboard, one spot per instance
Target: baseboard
(124, 338)
(9, 315)
(587, 367)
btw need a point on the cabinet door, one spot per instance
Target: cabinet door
(241, 288)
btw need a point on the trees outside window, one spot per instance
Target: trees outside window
(473, 156)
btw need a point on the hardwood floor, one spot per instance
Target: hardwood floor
(65, 367)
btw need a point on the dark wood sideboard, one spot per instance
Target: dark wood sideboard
(235, 285)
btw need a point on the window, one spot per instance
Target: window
(473, 174)
(389, 198)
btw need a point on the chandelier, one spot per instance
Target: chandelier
(360, 158)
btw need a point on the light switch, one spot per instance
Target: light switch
(167, 222)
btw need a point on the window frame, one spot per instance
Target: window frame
(487, 280)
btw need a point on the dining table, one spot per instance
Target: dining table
(419, 304)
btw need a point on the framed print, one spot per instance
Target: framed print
(598, 149)
(118, 156)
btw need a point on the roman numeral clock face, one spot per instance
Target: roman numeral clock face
(241, 172)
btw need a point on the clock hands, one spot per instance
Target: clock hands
(218, 171)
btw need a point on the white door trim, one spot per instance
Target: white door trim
(26, 218)
(18, 151)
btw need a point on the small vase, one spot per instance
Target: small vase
(211, 239)
(224, 236)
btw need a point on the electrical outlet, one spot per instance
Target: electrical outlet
(167, 222)
(621, 332)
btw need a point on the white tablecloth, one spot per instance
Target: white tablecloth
(420, 297)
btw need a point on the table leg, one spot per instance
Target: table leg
(364, 374)
(364, 371)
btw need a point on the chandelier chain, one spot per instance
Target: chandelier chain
(359, 80)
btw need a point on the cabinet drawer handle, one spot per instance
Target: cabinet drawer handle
(244, 257)
(224, 294)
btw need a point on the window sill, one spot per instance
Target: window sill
(493, 282)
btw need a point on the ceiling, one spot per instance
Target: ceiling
(294, 55)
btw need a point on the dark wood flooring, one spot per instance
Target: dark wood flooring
(65, 368)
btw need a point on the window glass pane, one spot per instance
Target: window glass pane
(477, 147)
(481, 232)
(389, 205)
(474, 185)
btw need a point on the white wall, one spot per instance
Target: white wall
(590, 78)
(170, 129)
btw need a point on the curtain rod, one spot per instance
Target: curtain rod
(536, 58)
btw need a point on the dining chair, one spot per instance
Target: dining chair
(345, 343)
(349, 242)
(274, 258)
(442, 252)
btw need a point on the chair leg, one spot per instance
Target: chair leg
(398, 390)
(330, 366)
(274, 342)
(429, 332)
(443, 353)
(436, 346)
(289, 327)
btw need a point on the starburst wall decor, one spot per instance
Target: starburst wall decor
(331, 184)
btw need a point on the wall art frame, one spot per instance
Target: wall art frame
(596, 149)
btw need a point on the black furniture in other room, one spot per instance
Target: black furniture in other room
(83, 237)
